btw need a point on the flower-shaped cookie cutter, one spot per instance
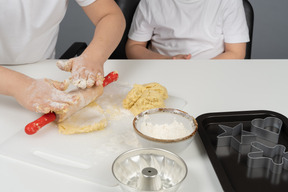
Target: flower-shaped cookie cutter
(235, 137)
(268, 128)
(273, 158)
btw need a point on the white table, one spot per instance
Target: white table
(207, 86)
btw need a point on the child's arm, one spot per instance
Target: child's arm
(138, 50)
(109, 24)
(233, 51)
(41, 95)
(12, 82)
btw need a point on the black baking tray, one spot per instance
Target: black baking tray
(230, 165)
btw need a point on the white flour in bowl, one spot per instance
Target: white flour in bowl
(172, 130)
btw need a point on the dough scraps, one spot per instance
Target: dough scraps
(90, 118)
(144, 97)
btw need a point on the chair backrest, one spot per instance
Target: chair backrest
(76, 49)
(128, 8)
(250, 22)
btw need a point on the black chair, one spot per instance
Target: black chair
(75, 49)
(250, 22)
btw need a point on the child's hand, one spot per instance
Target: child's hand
(45, 95)
(85, 73)
(182, 56)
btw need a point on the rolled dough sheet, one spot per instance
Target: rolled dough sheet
(90, 118)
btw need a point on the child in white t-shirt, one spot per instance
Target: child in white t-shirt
(188, 29)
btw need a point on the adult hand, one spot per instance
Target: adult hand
(85, 73)
(182, 56)
(45, 95)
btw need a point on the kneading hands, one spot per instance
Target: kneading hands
(44, 95)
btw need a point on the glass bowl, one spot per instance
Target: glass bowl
(149, 169)
(165, 128)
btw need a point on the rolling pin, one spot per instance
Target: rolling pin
(86, 97)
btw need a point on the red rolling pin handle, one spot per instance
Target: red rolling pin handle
(34, 126)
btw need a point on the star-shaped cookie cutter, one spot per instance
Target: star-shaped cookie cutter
(235, 137)
(273, 158)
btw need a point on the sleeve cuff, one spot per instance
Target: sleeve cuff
(84, 3)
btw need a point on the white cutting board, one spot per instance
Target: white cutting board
(86, 156)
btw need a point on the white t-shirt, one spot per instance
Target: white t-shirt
(199, 27)
(29, 29)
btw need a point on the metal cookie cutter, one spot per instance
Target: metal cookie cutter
(268, 128)
(273, 158)
(235, 137)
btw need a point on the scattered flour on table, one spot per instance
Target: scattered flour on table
(119, 133)
(112, 105)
